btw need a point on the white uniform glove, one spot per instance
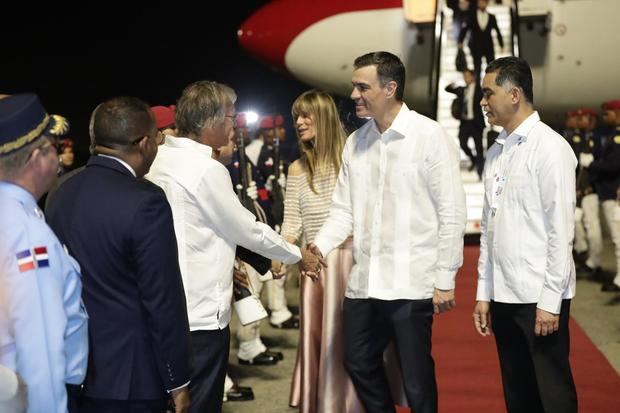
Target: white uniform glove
(252, 191)
(282, 181)
(268, 184)
(586, 159)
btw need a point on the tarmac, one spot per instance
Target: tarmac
(598, 313)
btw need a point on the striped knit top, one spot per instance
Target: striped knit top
(304, 210)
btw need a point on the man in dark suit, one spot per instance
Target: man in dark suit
(479, 25)
(119, 227)
(472, 120)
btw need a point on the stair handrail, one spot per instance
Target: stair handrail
(436, 58)
(515, 39)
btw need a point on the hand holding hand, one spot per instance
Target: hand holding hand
(546, 323)
(443, 300)
(482, 318)
(312, 262)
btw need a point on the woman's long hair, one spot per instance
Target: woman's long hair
(325, 150)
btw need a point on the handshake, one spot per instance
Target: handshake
(312, 262)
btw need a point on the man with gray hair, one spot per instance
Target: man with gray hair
(210, 222)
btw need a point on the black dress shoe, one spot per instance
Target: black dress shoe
(239, 394)
(291, 323)
(263, 359)
(277, 354)
(610, 288)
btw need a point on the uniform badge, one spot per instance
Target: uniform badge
(29, 260)
(576, 139)
(41, 257)
(25, 261)
(617, 139)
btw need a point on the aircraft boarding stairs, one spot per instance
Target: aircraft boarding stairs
(474, 190)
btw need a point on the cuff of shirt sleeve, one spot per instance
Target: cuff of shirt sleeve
(483, 291)
(323, 246)
(550, 301)
(178, 388)
(294, 257)
(444, 280)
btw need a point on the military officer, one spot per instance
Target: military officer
(44, 336)
(606, 176)
(587, 198)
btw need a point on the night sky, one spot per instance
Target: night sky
(151, 52)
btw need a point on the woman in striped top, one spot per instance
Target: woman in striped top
(320, 382)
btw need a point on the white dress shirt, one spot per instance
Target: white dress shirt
(483, 19)
(527, 223)
(209, 222)
(400, 194)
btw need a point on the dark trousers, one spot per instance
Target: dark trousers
(210, 349)
(467, 129)
(91, 405)
(477, 55)
(369, 325)
(74, 395)
(536, 373)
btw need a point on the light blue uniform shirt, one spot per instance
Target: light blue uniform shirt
(43, 333)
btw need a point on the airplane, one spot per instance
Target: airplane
(572, 57)
(570, 45)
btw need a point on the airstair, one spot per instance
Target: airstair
(474, 190)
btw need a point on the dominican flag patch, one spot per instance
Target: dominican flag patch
(29, 260)
(40, 256)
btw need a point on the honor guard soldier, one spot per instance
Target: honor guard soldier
(606, 176)
(44, 336)
(587, 198)
(264, 152)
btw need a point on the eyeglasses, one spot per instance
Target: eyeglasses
(233, 118)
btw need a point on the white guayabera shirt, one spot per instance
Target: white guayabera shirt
(400, 194)
(527, 223)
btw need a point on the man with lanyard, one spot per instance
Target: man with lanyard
(526, 274)
(43, 332)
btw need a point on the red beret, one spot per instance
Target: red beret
(611, 105)
(586, 111)
(241, 120)
(164, 116)
(571, 113)
(267, 122)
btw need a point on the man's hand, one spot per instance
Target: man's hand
(278, 269)
(312, 262)
(240, 279)
(180, 397)
(546, 323)
(443, 300)
(482, 318)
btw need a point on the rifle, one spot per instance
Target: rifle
(242, 187)
(277, 192)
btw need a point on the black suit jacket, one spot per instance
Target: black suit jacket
(460, 92)
(480, 41)
(120, 230)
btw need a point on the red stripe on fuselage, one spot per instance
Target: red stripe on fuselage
(268, 32)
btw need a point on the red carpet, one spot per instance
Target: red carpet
(468, 368)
